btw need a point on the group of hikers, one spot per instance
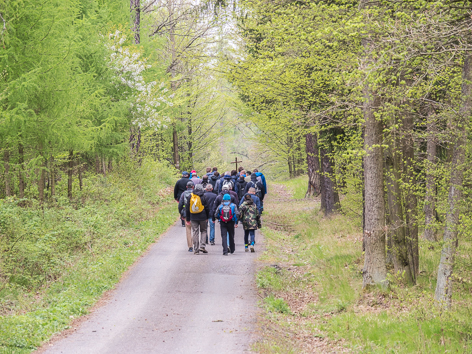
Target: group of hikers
(236, 196)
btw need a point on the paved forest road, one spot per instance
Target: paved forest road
(173, 301)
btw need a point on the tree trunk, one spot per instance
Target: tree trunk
(52, 168)
(444, 284)
(430, 193)
(6, 165)
(375, 270)
(329, 196)
(313, 162)
(69, 174)
(41, 181)
(21, 177)
(398, 247)
(135, 8)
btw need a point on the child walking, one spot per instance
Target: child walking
(251, 219)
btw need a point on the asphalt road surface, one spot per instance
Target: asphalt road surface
(173, 301)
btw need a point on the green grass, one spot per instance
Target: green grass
(63, 258)
(315, 265)
(297, 186)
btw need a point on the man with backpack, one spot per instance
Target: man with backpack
(181, 186)
(211, 199)
(227, 214)
(241, 183)
(197, 212)
(251, 219)
(184, 200)
(257, 185)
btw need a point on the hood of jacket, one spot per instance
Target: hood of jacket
(214, 178)
(227, 177)
(199, 192)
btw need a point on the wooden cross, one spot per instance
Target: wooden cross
(236, 162)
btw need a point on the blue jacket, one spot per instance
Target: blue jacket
(234, 211)
(256, 201)
(258, 174)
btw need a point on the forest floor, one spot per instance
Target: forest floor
(310, 280)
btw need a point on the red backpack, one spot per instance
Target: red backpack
(226, 213)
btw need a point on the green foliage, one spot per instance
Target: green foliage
(277, 305)
(57, 261)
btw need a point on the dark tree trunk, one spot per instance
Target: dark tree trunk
(411, 203)
(6, 165)
(398, 247)
(313, 162)
(329, 198)
(430, 193)
(52, 168)
(41, 181)
(69, 174)
(444, 284)
(175, 144)
(21, 176)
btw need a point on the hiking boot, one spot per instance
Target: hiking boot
(252, 248)
(196, 252)
(225, 254)
(246, 249)
(212, 243)
(190, 249)
(203, 250)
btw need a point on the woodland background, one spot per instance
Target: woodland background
(104, 102)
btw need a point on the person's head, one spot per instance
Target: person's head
(255, 170)
(190, 185)
(242, 173)
(205, 178)
(209, 187)
(185, 174)
(214, 169)
(234, 173)
(253, 177)
(248, 173)
(226, 198)
(208, 169)
(241, 177)
(240, 169)
(248, 196)
(194, 172)
(199, 187)
(216, 174)
(252, 190)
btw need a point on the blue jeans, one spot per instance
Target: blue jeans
(248, 233)
(212, 230)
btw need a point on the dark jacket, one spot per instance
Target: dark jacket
(256, 201)
(183, 201)
(249, 215)
(213, 179)
(241, 183)
(252, 184)
(180, 187)
(219, 200)
(210, 196)
(200, 216)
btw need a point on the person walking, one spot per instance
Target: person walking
(211, 199)
(251, 220)
(184, 200)
(255, 199)
(197, 212)
(227, 214)
(195, 179)
(257, 185)
(209, 173)
(181, 186)
(213, 180)
(205, 181)
(248, 176)
(241, 183)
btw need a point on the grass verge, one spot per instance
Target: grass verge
(311, 283)
(68, 254)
